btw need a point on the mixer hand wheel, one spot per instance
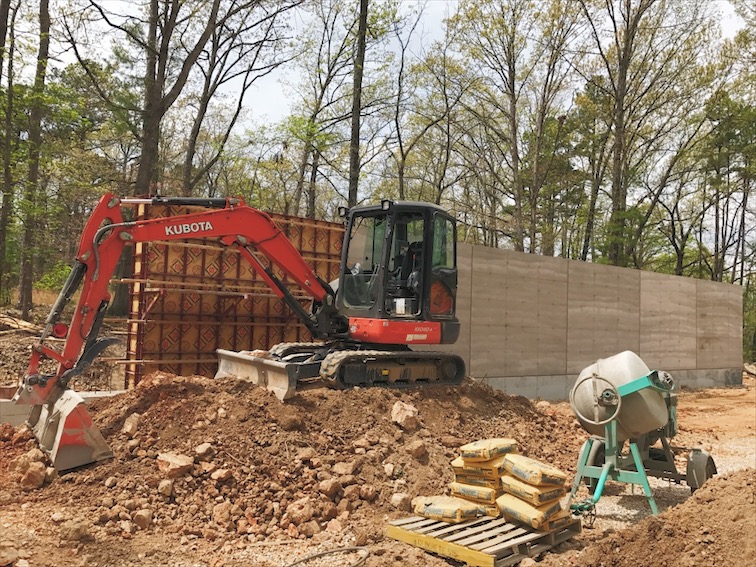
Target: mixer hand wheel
(608, 397)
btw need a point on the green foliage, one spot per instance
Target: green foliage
(54, 278)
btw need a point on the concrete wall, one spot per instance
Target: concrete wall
(531, 323)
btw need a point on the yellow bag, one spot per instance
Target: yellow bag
(448, 508)
(479, 481)
(480, 494)
(558, 520)
(515, 509)
(487, 449)
(536, 495)
(532, 471)
(485, 469)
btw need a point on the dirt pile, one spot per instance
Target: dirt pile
(224, 459)
(715, 526)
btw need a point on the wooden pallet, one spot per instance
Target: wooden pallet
(484, 542)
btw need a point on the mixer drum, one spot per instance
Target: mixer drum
(641, 412)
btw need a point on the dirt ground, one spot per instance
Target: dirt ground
(270, 483)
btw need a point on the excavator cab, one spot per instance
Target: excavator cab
(399, 263)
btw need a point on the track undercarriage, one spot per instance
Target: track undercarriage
(291, 366)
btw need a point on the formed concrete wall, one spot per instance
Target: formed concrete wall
(531, 323)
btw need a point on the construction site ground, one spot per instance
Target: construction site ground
(274, 482)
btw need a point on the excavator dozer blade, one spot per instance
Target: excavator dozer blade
(65, 432)
(275, 376)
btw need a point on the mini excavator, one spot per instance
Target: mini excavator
(396, 288)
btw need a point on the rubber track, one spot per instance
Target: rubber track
(332, 363)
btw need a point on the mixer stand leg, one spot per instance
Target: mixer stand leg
(641, 478)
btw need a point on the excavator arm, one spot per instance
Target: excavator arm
(58, 416)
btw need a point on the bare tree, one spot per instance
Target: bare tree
(240, 51)
(359, 67)
(646, 49)
(170, 40)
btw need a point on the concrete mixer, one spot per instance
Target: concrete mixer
(620, 401)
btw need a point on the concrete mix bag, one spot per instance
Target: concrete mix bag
(535, 495)
(532, 471)
(481, 494)
(487, 449)
(484, 469)
(515, 509)
(448, 508)
(479, 481)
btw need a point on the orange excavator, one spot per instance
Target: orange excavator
(397, 288)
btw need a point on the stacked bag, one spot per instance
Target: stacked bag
(491, 478)
(532, 491)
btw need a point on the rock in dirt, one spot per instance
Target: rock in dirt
(306, 454)
(528, 562)
(8, 554)
(222, 513)
(401, 501)
(405, 416)
(143, 518)
(111, 482)
(222, 475)
(331, 488)
(131, 425)
(21, 463)
(368, 492)
(417, 449)
(205, 452)
(174, 465)
(74, 530)
(165, 488)
(389, 469)
(310, 528)
(451, 441)
(300, 511)
(34, 477)
(347, 468)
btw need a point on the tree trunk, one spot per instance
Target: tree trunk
(7, 201)
(311, 186)
(35, 143)
(151, 114)
(354, 144)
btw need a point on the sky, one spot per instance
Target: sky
(268, 101)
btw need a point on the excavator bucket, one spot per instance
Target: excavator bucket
(65, 431)
(258, 367)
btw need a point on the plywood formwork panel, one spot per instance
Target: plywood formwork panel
(192, 297)
(668, 312)
(719, 325)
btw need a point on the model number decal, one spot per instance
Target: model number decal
(188, 228)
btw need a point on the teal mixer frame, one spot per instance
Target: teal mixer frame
(635, 467)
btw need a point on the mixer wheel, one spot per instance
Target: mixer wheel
(711, 470)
